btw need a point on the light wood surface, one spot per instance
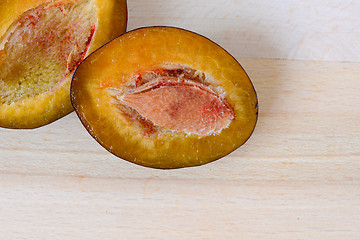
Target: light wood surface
(298, 177)
(323, 30)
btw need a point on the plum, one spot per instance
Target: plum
(41, 44)
(165, 97)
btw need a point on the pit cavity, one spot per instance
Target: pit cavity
(43, 47)
(180, 100)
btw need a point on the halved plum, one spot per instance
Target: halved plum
(165, 97)
(41, 44)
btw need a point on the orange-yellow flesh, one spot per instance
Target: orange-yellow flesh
(43, 47)
(181, 106)
(113, 67)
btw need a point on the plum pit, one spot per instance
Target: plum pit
(177, 100)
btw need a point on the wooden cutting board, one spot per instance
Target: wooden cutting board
(298, 177)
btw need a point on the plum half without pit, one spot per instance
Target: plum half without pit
(41, 44)
(165, 97)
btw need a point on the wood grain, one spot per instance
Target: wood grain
(298, 177)
(326, 30)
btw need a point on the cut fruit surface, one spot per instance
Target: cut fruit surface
(165, 97)
(44, 47)
(39, 53)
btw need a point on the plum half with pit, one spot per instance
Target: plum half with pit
(165, 97)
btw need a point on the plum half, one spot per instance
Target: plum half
(41, 44)
(165, 97)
